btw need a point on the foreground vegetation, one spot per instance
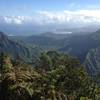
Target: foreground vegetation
(54, 77)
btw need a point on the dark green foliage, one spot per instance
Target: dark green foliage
(5, 65)
(57, 77)
(92, 61)
(45, 62)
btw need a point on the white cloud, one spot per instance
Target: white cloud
(14, 20)
(72, 16)
(59, 17)
(8, 20)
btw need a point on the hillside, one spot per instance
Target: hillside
(55, 75)
(78, 45)
(75, 44)
(17, 50)
(92, 61)
(44, 40)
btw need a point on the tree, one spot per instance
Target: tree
(5, 63)
(5, 69)
(61, 78)
(45, 62)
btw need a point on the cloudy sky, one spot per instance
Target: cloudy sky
(32, 16)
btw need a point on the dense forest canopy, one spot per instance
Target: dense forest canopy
(55, 76)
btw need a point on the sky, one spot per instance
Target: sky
(28, 7)
(47, 14)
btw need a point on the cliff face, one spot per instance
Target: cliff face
(92, 61)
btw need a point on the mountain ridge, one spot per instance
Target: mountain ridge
(17, 50)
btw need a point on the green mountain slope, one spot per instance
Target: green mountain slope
(76, 45)
(79, 45)
(17, 50)
(92, 61)
(45, 41)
